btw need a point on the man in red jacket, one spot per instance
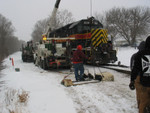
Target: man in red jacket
(78, 58)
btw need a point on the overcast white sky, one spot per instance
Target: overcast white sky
(25, 13)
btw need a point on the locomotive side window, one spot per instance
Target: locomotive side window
(86, 28)
(95, 23)
(80, 29)
(83, 27)
(86, 23)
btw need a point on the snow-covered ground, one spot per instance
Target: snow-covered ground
(43, 92)
(124, 55)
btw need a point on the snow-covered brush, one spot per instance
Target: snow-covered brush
(15, 101)
(23, 97)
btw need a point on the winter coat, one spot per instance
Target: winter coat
(140, 48)
(78, 57)
(141, 65)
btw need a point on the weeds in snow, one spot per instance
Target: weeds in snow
(16, 100)
(23, 97)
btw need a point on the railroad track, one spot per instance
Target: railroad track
(120, 68)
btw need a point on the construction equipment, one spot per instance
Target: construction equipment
(52, 52)
(27, 52)
(51, 24)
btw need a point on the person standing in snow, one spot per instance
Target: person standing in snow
(140, 77)
(140, 48)
(78, 58)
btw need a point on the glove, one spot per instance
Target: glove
(131, 85)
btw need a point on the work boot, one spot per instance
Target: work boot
(82, 79)
(77, 79)
(90, 76)
(85, 76)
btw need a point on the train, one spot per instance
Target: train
(92, 36)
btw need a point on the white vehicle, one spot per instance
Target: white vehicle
(53, 53)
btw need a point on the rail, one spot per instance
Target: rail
(120, 68)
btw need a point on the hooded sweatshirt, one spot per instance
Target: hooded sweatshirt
(142, 65)
(147, 44)
(140, 48)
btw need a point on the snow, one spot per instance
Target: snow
(124, 55)
(47, 95)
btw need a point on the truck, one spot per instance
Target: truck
(27, 52)
(52, 52)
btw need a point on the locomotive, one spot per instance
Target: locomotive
(91, 35)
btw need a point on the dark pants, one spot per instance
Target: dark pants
(78, 67)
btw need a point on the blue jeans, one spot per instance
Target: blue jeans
(78, 67)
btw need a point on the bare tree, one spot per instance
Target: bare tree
(139, 22)
(6, 30)
(39, 30)
(13, 44)
(129, 23)
(100, 17)
(111, 31)
(62, 18)
(8, 42)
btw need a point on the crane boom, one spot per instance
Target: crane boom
(51, 23)
(57, 4)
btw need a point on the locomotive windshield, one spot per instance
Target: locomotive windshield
(86, 26)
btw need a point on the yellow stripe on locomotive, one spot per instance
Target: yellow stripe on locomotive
(98, 36)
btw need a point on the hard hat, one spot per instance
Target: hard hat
(79, 47)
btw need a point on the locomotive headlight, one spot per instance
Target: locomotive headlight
(44, 37)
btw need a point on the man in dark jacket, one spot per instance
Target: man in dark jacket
(140, 77)
(140, 48)
(78, 58)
